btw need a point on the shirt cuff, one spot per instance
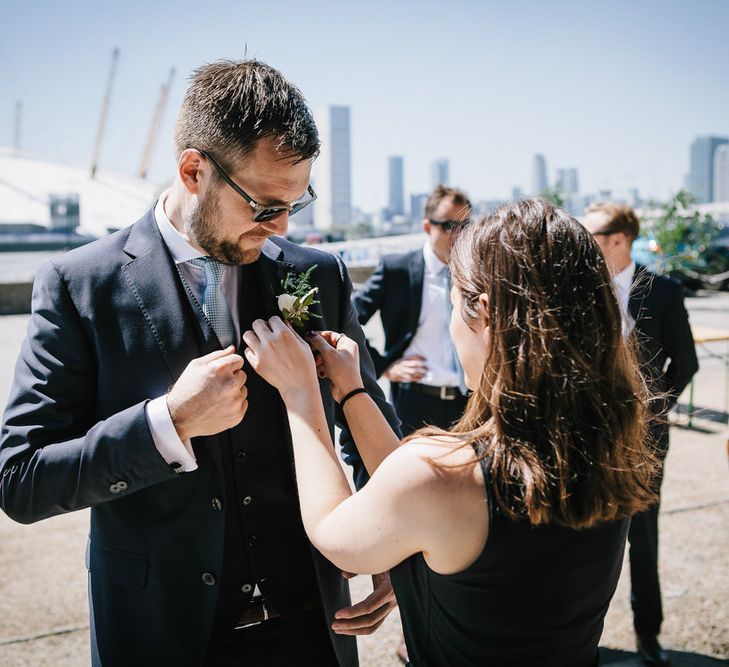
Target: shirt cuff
(177, 453)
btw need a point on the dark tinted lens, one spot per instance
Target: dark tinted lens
(297, 207)
(268, 214)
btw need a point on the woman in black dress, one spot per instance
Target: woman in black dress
(504, 535)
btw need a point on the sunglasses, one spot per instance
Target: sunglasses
(448, 225)
(263, 213)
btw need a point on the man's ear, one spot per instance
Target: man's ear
(426, 226)
(191, 169)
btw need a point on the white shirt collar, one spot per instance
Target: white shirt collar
(176, 243)
(623, 281)
(432, 264)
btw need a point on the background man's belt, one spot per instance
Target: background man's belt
(444, 393)
(257, 611)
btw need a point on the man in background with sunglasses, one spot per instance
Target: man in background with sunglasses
(653, 311)
(412, 293)
(131, 397)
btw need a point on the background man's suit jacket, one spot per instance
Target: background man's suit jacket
(111, 328)
(664, 335)
(396, 290)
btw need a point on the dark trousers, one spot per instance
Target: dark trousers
(416, 410)
(645, 596)
(299, 642)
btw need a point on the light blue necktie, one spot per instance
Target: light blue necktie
(454, 355)
(214, 305)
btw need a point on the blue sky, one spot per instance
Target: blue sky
(616, 89)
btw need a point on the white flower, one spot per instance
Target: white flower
(285, 303)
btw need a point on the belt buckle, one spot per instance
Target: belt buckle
(445, 396)
(250, 625)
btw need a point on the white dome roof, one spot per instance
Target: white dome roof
(109, 201)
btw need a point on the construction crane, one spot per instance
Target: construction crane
(104, 113)
(18, 117)
(164, 94)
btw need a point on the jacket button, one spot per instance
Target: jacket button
(123, 486)
(247, 500)
(208, 579)
(246, 588)
(217, 504)
(240, 457)
(252, 540)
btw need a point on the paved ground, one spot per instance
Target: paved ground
(43, 610)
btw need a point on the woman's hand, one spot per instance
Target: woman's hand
(338, 361)
(280, 356)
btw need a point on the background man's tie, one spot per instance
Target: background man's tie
(214, 305)
(456, 362)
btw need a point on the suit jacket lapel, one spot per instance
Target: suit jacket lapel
(417, 271)
(155, 283)
(637, 292)
(271, 270)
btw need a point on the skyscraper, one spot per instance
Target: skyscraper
(700, 180)
(567, 182)
(439, 172)
(333, 207)
(721, 173)
(417, 206)
(396, 198)
(539, 175)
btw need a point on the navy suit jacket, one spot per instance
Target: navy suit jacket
(665, 342)
(396, 290)
(111, 328)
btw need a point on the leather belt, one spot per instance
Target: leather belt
(443, 393)
(256, 612)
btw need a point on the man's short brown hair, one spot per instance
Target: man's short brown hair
(442, 192)
(620, 218)
(232, 104)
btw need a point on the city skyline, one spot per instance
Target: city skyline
(624, 116)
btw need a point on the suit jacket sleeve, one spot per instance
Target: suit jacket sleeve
(56, 455)
(351, 327)
(678, 342)
(367, 301)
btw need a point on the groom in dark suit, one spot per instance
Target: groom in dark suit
(653, 310)
(131, 397)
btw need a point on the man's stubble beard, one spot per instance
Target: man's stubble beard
(200, 227)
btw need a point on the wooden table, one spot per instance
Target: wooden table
(702, 336)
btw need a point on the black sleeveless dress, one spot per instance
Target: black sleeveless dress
(536, 596)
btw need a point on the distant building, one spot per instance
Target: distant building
(567, 181)
(539, 175)
(333, 172)
(700, 180)
(417, 206)
(396, 186)
(516, 193)
(440, 172)
(721, 173)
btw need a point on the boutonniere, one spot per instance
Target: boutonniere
(298, 295)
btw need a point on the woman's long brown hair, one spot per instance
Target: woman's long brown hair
(561, 407)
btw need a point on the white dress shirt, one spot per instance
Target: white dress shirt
(622, 282)
(164, 434)
(432, 339)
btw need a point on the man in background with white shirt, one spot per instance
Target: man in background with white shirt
(653, 309)
(412, 293)
(131, 397)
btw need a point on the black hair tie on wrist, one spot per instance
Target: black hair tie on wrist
(354, 392)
